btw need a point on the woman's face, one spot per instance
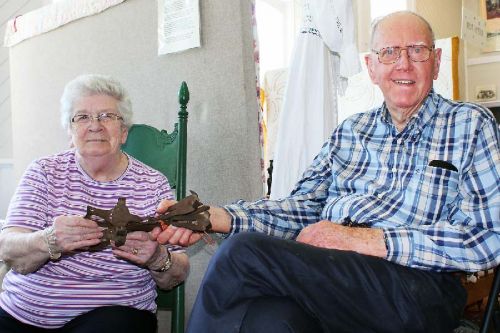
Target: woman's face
(97, 138)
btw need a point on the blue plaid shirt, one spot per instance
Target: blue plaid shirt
(441, 218)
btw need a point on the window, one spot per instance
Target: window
(277, 24)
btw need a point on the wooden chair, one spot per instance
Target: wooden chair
(166, 152)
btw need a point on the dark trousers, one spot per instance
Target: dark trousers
(259, 283)
(121, 319)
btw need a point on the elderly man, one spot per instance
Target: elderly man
(396, 201)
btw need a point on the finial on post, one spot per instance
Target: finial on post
(183, 94)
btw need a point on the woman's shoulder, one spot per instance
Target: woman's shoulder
(141, 175)
(56, 161)
(141, 169)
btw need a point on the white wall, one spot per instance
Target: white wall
(7, 183)
(8, 9)
(223, 128)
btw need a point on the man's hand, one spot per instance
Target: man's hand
(219, 218)
(334, 236)
(174, 235)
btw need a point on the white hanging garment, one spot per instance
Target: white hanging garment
(324, 56)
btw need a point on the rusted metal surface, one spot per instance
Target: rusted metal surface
(188, 213)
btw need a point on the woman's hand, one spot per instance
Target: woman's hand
(140, 247)
(75, 232)
(26, 250)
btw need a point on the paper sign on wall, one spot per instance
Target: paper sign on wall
(178, 25)
(473, 28)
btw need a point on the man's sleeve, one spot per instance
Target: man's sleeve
(286, 217)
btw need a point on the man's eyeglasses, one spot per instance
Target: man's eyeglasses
(105, 117)
(417, 53)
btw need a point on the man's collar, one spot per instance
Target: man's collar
(422, 117)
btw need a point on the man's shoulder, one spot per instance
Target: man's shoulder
(465, 111)
(365, 115)
(362, 119)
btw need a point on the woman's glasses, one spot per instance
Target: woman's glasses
(104, 118)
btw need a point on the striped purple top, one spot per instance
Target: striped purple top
(59, 291)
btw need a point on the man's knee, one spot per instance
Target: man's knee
(278, 315)
(240, 245)
(242, 253)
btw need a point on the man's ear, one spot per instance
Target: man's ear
(369, 66)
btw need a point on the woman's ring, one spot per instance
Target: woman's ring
(135, 251)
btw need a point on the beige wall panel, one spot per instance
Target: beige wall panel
(444, 16)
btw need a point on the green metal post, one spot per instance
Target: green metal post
(178, 320)
(183, 117)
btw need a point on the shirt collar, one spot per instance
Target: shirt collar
(418, 121)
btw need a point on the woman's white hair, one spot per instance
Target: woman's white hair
(94, 84)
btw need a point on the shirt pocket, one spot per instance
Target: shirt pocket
(434, 190)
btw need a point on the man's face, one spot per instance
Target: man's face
(405, 83)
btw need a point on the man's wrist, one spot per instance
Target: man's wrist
(386, 243)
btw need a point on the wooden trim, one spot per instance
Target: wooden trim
(478, 291)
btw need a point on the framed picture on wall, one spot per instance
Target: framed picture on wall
(490, 11)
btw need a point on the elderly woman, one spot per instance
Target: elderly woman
(54, 282)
